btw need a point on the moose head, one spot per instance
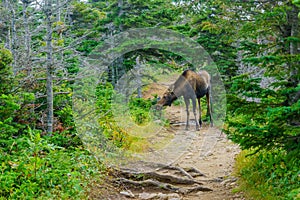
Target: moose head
(167, 98)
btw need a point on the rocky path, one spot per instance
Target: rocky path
(203, 171)
(216, 163)
(195, 165)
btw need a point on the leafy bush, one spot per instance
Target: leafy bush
(270, 174)
(39, 170)
(140, 110)
(34, 166)
(108, 125)
(14, 107)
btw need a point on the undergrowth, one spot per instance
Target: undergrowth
(115, 109)
(269, 175)
(33, 168)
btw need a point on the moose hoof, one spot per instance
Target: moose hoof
(197, 129)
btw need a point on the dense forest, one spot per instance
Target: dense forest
(46, 47)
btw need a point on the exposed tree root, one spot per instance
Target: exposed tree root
(194, 189)
(150, 182)
(165, 186)
(166, 177)
(157, 176)
(190, 172)
(195, 172)
(181, 170)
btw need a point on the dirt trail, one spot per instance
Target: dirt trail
(214, 155)
(208, 161)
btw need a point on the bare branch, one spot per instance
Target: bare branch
(56, 93)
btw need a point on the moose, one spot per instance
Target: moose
(190, 85)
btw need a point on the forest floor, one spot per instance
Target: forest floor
(200, 170)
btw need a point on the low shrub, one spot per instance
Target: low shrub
(33, 168)
(269, 174)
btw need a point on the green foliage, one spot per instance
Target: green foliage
(105, 94)
(34, 166)
(38, 169)
(85, 17)
(265, 119)
(110, 129)
(5, 71)
(72, 64)
(223, 54)
(140, 110)
(212, 33)
(110, 104)
(11, 103)
(273, 124)
(138, 13)
(264, 110)
(297, 3)
(270, 174)
(87, 46)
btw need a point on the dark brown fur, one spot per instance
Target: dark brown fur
(190, 85)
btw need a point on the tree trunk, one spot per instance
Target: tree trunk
(49, 67)
(27, 38)
(13, 36)
(294, 21)
(7, 43)
(120, 6)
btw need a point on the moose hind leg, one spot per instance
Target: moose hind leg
(209, 109)
(199, 104)
(195, 114)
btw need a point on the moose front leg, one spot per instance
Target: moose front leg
(187, 105)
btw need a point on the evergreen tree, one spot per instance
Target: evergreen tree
(123, 15)
(14, 109)
(264, 108)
